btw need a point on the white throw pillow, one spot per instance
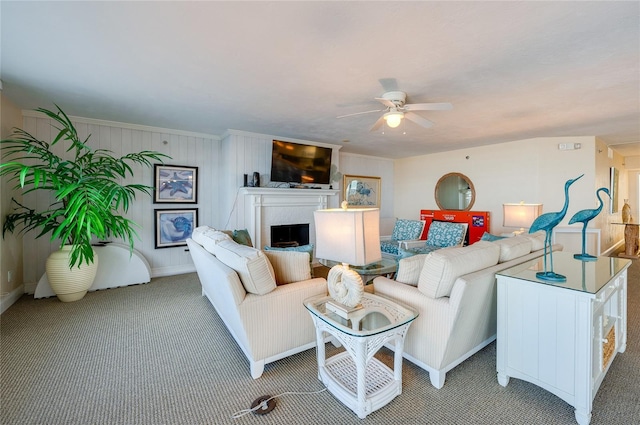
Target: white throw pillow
(409, 269)
(289, 266)
(444, 266)
(252, 266)
(537, 239)
(208, 237)
(512, 248)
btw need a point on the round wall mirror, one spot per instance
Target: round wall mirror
(454, 191)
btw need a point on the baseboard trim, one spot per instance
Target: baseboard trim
(7, 300)
(172, 270)
(30, 287)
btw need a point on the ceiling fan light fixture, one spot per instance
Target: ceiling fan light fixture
(393, 118)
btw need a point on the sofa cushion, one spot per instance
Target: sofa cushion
(289, 266)
(537, 239)
(208, 237)
(444, 233)
(512, 248)
(252, 265)
(409, 269)
(405, 230)
(300, 248)
(442, 267)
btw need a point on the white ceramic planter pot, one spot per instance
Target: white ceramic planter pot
(69, 284)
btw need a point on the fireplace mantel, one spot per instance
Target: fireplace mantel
(264, 207)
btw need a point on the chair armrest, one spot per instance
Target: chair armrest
(415, 243)
(385, 238)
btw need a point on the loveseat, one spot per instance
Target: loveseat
(258, 295)
(454, 291)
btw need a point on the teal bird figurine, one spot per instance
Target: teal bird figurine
(547, 222)
(584, 217)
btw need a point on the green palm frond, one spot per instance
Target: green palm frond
(86, 184)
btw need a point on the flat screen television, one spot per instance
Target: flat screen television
(300, 164)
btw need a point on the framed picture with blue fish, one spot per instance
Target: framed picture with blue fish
(173, 227)
(175, 184)
(361, 191)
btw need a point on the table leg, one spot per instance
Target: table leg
(321, 350)
(397, 362)
(631, 240)
(361, 366)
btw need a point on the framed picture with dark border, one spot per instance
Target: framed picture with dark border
(173, 227)
(175, 184)
(362, 191)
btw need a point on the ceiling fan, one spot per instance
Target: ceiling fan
(396, 109)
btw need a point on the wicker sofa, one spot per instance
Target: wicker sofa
(259, 295)
(454, 291)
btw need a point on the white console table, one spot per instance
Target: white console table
(116, 267)
(562, 336)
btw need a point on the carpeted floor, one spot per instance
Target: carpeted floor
(159, 354)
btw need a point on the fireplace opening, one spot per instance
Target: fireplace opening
(288, 235)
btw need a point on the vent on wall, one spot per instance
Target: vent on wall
(569, 146)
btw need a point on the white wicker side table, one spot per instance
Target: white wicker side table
(356, 378)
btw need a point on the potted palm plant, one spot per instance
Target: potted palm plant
(88, 198)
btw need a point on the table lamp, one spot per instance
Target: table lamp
(520, 215)
(351, 237)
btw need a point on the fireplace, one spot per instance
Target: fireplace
(261, 208)
(287, 235)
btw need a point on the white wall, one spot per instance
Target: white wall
(362, 165)
(185, 148)
(533, 171)
(10, 244)
(245, 153)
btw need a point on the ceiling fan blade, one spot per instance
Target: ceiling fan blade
(428, 107)
(418, 119)
(377, 124)
(360, 113)
(386, 102)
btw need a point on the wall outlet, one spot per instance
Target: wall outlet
(9, 276)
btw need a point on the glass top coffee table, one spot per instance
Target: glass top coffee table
(356, 378)
(385, 267)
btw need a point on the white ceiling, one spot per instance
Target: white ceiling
(512, 70)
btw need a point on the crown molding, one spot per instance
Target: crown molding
(93, 121)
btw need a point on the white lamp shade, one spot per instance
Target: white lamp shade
(520, 215)
(350, 236)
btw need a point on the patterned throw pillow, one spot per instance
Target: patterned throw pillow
(443, 234)
(406, 230)
(389, 247)
(491, 238)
